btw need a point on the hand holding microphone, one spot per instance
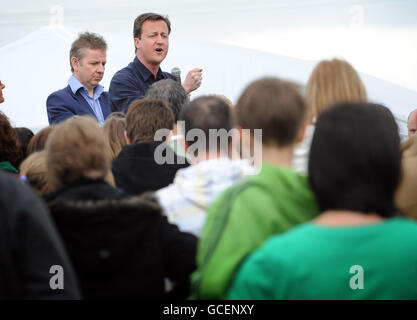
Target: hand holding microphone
(192, 80)
(176, 73)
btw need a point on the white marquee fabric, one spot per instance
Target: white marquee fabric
(38, 64)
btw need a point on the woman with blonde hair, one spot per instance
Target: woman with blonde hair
(121, 246)
(331, 81)
(33, 170)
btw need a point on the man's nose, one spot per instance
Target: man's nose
(100, 68)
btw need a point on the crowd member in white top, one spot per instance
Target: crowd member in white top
(194, 189)
(332, 81)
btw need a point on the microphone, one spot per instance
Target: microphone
(176, 72)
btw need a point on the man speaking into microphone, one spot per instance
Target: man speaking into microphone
(151, 37)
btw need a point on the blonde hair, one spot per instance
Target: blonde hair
(34, 168)
(114, 129)
(77, 148)
(333, 81)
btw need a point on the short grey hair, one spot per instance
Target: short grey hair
(170, 91)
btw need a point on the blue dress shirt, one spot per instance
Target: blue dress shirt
(94, 103)
(131, 83)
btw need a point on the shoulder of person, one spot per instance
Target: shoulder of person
(61, 93)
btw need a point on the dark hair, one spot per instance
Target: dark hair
(24, 135)
(205, 113)
(9, 145)
(355, 159)
(86, 40)
(38, 141)
(140, 20)
(171, 92)
(146, 116)
(276, 107)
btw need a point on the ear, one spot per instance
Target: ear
(75, 63)
(301, 133)
(137, 43)
(127, 138)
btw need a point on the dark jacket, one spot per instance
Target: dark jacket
(64, 104)
(121, 247)
(136, 171)
(29, 247)
(131, 83)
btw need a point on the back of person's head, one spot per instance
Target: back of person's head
(333, 81)
(225, 99)
(9, 144)
(145, 117)
(38, 141)
(171, 92)
(205, 113)
(86, 40)
(116, 114)
(34, 169)
(24, 135)
(77, 148)
(114, 128)
(276, 107)
(355, 159)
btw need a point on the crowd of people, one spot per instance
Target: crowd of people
(144, 192)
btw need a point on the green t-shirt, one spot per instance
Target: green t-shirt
(375, 261)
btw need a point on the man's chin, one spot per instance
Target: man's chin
(159, 59)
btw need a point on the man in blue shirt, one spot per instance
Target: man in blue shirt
(83, 95)
(151, 38)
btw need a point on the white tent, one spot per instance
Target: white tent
(38, 64)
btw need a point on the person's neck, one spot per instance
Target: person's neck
(151, 67)
(91, 92)
(278, 156)
(89, 89)
(347, 218)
